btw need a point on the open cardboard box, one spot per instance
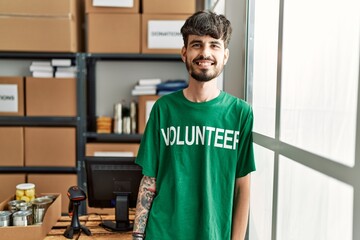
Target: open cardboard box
(33, 232)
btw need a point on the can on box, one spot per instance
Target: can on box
(5, 218)
(22, 218)
(25, 191)
(13, 205)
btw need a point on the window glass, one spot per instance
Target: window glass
(265, 65)
(311, 205)
(261, 195)
(320, 73)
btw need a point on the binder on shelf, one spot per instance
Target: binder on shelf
(42, 69)
(171, 86)
(149, 81)
(66, 72)
(41, 63)
(61, 62)
(137, 92)
(146, 86)
(42, 74)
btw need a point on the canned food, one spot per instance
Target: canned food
(22, 206)
(12, 205)
(22, 218)
(45, 197)
(25, 191)
(40, 205)
(5, 218)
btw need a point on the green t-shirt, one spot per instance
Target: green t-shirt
(195, 151)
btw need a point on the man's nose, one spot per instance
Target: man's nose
(205, 52)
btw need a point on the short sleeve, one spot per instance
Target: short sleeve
(246, 161)
(148, 154)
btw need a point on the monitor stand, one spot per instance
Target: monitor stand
(122, 222)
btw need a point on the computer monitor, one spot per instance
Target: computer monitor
(113, 182)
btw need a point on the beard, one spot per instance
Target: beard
(202, 75)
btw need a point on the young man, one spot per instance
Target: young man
(196, 152)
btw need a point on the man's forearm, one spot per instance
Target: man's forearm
(147, 190)
(241, 207)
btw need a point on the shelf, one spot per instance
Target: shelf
(134, 57)
(35, 55)
(113, 137)
(38, 121)
(38, 170)
(102, 157)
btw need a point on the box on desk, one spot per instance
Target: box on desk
(40, 25)
(161, 33)
(33, 232)
(50, 97)
(11, 96)
(113, 33)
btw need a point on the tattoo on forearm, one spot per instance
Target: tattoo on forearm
(146, 195)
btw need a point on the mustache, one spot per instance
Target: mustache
(201, 57)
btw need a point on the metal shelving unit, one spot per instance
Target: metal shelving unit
(85, 120)
(113, 137)
(50, 121)
(91, 60)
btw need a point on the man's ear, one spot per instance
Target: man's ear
(226, 55)
(183, 54)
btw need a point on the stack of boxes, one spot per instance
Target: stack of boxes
(38, 146)
(161, 23)
(147, 26)
(126, 30)
(113, 29)
(40, 25)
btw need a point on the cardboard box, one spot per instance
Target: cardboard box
(51, 97)
(169, 6)
(11, 181)
(145, 103)
(12, 146)
(40, 25)
(161, 33)
(11, 95)
(111, 149)
(55, 183)
(89, 8)
(32, 232)
(50, 146)
(113, 33)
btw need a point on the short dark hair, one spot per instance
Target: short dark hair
(204, 23)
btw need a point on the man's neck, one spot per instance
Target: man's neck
(201, 91)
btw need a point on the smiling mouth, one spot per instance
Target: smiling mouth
(203, 63)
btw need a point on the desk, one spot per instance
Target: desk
(91, 221)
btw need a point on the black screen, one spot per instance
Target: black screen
(111, 178)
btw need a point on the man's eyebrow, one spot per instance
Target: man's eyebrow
(211, 42)
(195, 41)
(216, 42)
